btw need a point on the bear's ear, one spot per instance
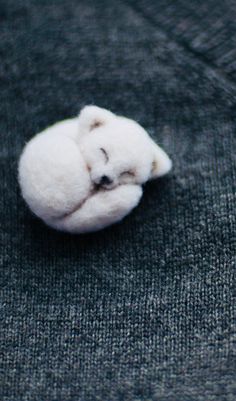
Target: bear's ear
(161, 164)
(92, 117)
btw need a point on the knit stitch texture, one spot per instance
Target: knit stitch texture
(144, 310)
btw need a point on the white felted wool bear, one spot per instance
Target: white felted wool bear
(85, 173)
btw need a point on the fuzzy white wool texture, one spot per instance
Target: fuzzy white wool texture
(85, 173)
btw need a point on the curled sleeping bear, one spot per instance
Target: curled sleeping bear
(85, 173)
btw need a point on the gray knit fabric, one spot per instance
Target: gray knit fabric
(144, 310)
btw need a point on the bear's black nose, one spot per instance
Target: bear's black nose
(105, 180)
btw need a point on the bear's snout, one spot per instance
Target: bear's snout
(105, 180)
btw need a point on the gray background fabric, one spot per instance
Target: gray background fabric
(144, 310)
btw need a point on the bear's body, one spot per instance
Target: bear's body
(86, 173)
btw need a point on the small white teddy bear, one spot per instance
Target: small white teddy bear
(85, 173)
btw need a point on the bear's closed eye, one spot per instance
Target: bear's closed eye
(127, 173)
(105, 154)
